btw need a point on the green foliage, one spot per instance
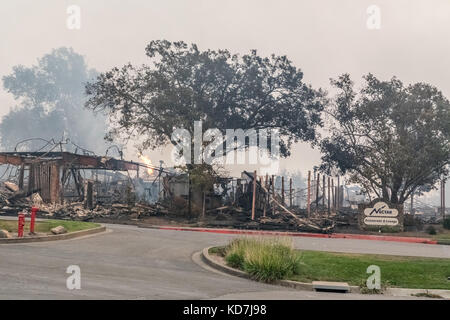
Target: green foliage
(412, 221)
(396, 271)
(202, 176)
(264, 259)
(388, 136)
(431, 230)
(220, 251)
(446, 223)
(182, 84)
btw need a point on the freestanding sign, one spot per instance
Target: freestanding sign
(379, 214)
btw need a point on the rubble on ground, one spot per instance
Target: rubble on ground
(58, 230)
(5, 234)
(278, 217)
(12, 202)
(77, 211)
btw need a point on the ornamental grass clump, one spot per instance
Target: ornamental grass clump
(265, 259)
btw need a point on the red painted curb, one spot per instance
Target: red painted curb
(303, 234)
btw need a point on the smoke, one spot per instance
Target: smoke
(50, 101)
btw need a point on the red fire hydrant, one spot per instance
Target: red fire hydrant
(33, 218)
(21, 224)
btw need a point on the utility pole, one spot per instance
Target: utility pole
(282, 190)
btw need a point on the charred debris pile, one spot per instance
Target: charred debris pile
(87, 187)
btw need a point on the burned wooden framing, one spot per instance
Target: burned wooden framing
(47, 172)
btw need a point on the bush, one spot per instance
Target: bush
(264, 259)
(431, 230)
(412, 222)
(446, 223)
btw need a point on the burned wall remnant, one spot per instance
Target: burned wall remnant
(48, 173)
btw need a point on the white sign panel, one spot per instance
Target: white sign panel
(380, 221)
(380, 209)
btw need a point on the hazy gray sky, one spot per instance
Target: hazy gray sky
(322, 37)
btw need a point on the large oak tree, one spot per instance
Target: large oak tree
(181, 84)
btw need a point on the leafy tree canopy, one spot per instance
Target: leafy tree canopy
(391, 138)
(182, 84)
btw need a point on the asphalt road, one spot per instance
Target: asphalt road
(137, 263)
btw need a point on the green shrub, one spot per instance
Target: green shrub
(446, 223)
(264, 259)
(431, 230)
(234, 253)
(411, 220)
(220, 251)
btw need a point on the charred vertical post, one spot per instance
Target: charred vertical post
(329, 198)
(308, 201)
(21, 174)
(254, 196)
(273, 185)
(54, 183)
(266, 198)
(290, 192)
(317, 191)
(443, 198)
(89, 195)
(282, 190)
(338, 194)
(333, 198)
(323, 192)
(31, 178)
(204, 204)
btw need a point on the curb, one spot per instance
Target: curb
(235, 272)
(64, 236)
(300, 234)
(399, 292)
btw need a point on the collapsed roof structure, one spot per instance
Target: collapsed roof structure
(49, 172)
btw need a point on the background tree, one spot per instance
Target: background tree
(51, 99)
(390, 138)
(182, 84)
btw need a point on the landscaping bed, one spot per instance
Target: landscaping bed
(275, 259)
